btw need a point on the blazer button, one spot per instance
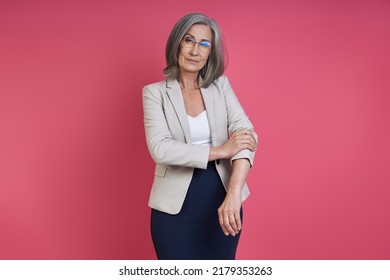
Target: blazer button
(217, 161)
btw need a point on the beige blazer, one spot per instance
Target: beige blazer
(169, 139)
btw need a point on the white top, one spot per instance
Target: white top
(200, 130)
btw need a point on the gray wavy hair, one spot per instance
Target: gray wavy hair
(215, 65)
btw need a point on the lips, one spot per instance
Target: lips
(192, 61)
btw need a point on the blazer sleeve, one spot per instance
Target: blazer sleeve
(237, 119)
(163, 148)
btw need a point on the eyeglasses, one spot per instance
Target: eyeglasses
(204, 46)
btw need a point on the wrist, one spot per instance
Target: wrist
(217, 153)
(234, 190)
(220, 152)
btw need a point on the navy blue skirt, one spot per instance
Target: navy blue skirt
(194, 233)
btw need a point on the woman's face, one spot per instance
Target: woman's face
(193, 56)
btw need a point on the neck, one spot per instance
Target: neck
(188, 80)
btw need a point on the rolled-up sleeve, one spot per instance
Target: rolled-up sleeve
(237, 119)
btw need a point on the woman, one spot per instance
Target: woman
(203, 145)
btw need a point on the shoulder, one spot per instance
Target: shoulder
(221, 82)
(221, 85)
(156, 86)
(222, 79)
(155, 90)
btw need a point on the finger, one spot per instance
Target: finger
(233, 222)
(238, 220)
(251, 142)
(228, 225)
(221, 222)
(240, 132)
(246, 143)
(244, 137)
(247, 132)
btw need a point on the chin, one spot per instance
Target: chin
(191, 69)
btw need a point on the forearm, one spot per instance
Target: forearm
(240, 170)
(229, 211)
(172, 152)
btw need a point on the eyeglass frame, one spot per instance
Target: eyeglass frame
(193, 42)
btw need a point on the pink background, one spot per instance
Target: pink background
(75, 173)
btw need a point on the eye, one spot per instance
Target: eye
(189, 40)
(205, 44)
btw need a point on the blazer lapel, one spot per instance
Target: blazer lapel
(176, 97)
(208, 99)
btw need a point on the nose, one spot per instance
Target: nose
(195, 49)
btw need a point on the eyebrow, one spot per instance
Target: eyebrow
(202, 40)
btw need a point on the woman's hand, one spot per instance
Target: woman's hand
(229, 213)
(238, 141)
